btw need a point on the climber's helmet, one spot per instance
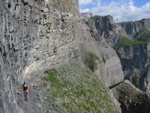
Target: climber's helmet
(25, 81)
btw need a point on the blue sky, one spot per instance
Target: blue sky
(121, 10)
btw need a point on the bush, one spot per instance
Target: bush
(90, 61)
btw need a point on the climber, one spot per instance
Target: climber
(25, 88)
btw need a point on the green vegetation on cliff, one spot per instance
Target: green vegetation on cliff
(145, 34)
(90, 60)
(72, 89)
(129, 42)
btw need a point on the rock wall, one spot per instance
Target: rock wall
(102, 36)
(35, 34)
(134, 57)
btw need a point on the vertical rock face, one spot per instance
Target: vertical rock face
(134, 57)
(106, 28)
(35, 34)
(109, 66)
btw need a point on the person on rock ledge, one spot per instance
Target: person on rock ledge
(25, 88)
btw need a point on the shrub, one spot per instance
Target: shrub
(90, 60)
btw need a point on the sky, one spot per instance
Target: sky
(121, 10)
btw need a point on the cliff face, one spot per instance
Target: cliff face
(34, 35)
(35, 32)
(134, 29)
(106, 28)
(129, 39)
(136, 53)
(131, 42)
(96, 40)
(135, 58)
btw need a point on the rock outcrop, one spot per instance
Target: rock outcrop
(132, 99)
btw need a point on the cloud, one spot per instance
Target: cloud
(84, 2)
(121, 10)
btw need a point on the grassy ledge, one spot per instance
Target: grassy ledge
(128, 42)
(73, 89)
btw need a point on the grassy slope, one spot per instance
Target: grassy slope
(128, 42)
(76, 90)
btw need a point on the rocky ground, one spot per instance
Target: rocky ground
(67, 88)
(131, 98)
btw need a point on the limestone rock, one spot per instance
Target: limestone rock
(34, 35)
(132, 99)
(109, 66)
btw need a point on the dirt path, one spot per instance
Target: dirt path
(36, 103)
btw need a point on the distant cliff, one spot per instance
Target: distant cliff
(129, 39)
(137, 29)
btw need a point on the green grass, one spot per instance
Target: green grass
(129, 42)
(145, 34)
(53, 78)
(73, 89)
(90, 60)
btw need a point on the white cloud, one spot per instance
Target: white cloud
(83, 2)
(121, 10)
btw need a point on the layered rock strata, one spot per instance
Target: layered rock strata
(35, 34)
